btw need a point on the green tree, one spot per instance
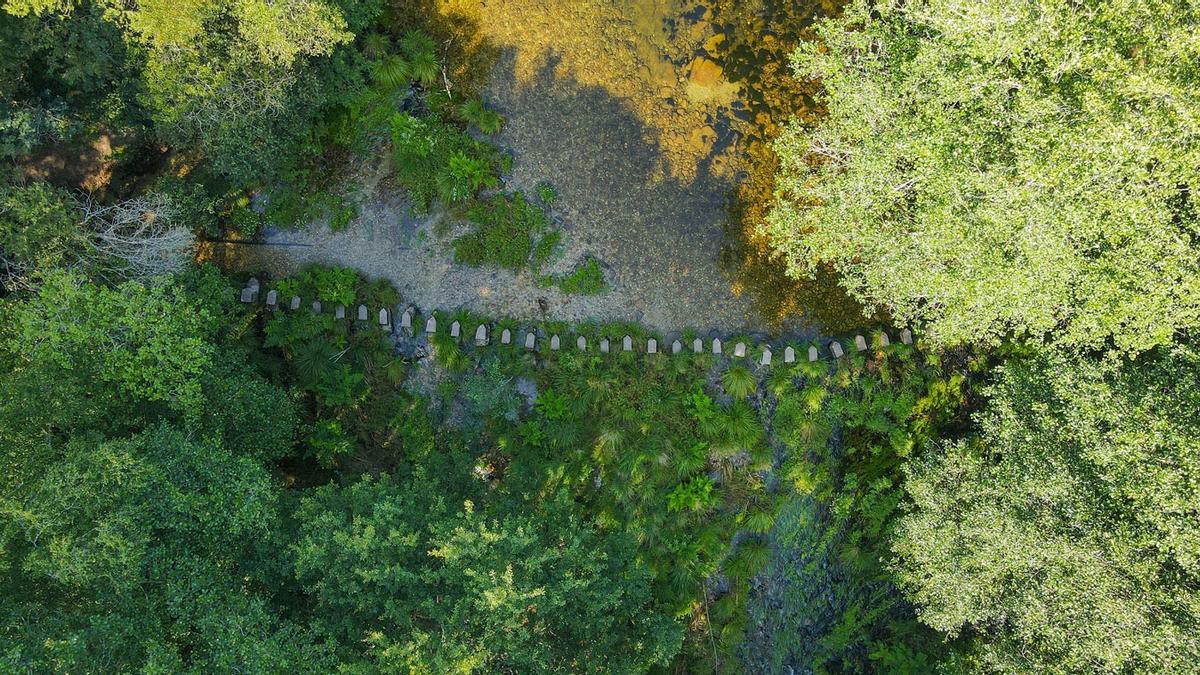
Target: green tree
(1066, 539)
(1003, 168)
(393, 563)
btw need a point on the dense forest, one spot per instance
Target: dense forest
(195, 483)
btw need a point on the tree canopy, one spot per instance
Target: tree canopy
(1003, 168)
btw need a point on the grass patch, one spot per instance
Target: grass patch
(587, 279)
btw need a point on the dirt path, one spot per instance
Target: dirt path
(613, 103)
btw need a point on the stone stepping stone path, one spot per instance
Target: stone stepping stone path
(881, 339)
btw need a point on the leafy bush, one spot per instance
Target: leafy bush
(739, 382)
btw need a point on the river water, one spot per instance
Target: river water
(652, 120)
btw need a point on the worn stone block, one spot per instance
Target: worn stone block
(603, 345)
(860, 343)
(481, 335)
(248, 294)
(651, 346)
(627, 343)
(431, 325)
(383, 318)
(295, 302)
(362, 312)
(716, 345)
(812, 353)
(272, 298)
(406, 321)
(766, 357)
(676, 347)
(506, 337)
(836, 348)
(884, 340)
(530, 341)
(739, 350)
(906, 336)
(455, 330)
(554, 343)
(339, 312)
(789, 355)
(581, 343)
(697, 346)
(316, 306)
(252, 284)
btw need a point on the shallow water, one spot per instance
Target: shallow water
(628, 108)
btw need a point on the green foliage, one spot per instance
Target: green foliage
(547, 193)
(1002, 168)
(473, 112)
(505, 229)
(694, 495)
(393, 559)
(39, 230)
(587, 279)
(1064, 538)
(739, 382)
(435, 159)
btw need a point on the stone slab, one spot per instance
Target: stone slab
(651, 346)
(581, 343)
(860, 343)
(339, 312)
(481, 335)
(697, 346)
(676, 347)
(627, 343)
(813, 355)
(739, 350)
(603, 345)
(716, 345)
(530, 341)
(554, 343)
(295, 302)
(431, 325)
(362, 312)
(766, 357)
(789, 355)
(836, 348)
(506, 337)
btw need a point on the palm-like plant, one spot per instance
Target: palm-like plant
(739, 382)
(487, 121)
(392, 73)
(422, 57)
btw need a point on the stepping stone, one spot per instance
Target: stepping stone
(362, 312)
(248, 294)
(506, 337)
(651, 346)
(812, 353)
(383, 320)
(906, 336)
(676, 347)
(406, 321)
(339, 312)
(554, 343)
(295, 302)
(272, 298)
(316, 306)
(481, 335)
(739, 350)
(581, 343)
(455, 330)
(766, 357)
(431, 325)
(789, 355)
(603, 345)
(627, 344)
(697, 345)
(530, 341)
(836, 348)
(884, 340)
(860, 343)
(716, 349)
